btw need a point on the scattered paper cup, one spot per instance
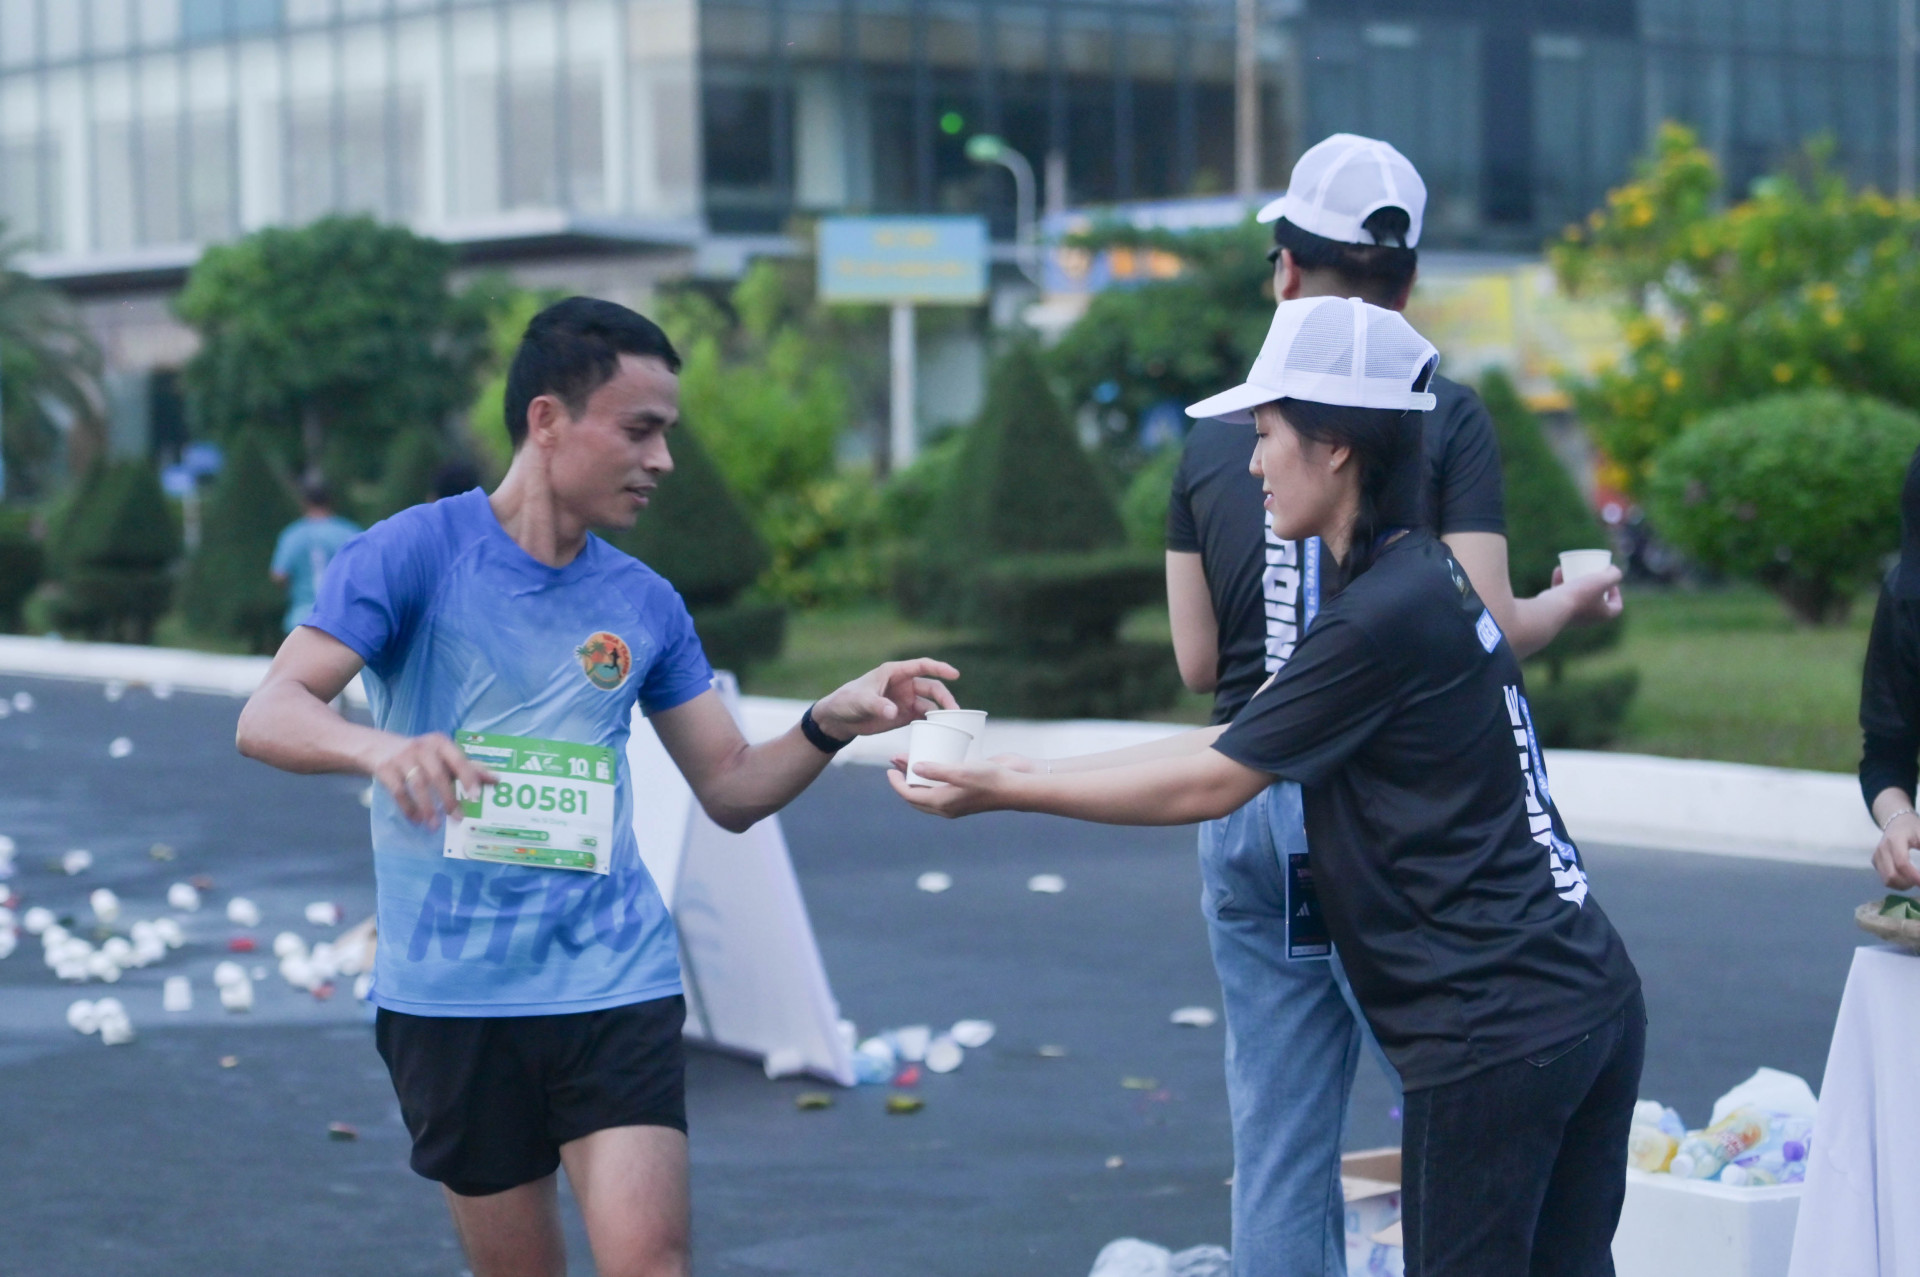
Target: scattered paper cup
(177, 993)
(944, 1055)
(1575, 564)
(1047, 884)
(971, 721)
(242, 912)
(183, 896)
(972, 1033)
(929, 742)
(933, 881)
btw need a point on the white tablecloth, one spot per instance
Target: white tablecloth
(1860, 1216)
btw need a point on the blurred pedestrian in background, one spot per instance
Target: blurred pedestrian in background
(305, 548)
(1890, 703)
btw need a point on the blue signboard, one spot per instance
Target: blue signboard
(903, 259)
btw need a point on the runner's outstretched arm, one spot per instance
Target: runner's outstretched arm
(1531, 624)
(289, 722)
(738, 784)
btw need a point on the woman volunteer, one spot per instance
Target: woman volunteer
(1493, 980)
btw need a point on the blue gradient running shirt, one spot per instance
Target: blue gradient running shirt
(461, 629)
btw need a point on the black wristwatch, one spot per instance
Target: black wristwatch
(817, 736)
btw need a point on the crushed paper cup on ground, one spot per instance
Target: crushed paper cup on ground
(105, 906)
(1195, 1017)
(77, 861)
(972, 1033)
(83, 1016)
(944, 1055)
(242, 912)
(933, 882)
(323, 913)
(183, 896)
(237, 996)
(1047, 884)
(120, 748)
(176, 994)
(37, 919)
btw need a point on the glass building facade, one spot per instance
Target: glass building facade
(134, 130)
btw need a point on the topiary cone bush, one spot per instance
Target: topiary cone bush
(1545, 515)
(695, 533)
(1026, 548)
(119, 545)
(406, 474)
(227, 590)
(1800, 492)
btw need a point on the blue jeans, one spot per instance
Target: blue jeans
(1294, 1036)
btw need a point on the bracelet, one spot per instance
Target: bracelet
(1904, 811)
(817, 736)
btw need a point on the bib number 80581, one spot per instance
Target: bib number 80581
(507, 796)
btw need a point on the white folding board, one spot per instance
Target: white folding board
(754, 979)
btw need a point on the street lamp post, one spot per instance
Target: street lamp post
(985, 148)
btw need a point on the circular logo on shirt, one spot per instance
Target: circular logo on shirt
(605, 659)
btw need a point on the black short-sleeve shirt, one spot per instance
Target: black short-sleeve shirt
(1453, 894)
(1265, 589)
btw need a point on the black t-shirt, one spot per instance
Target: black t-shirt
(1263, 590)
(1890, 698)
(1457, 903)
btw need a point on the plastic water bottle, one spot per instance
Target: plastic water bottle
(1703, 1153)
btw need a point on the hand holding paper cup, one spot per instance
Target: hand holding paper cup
(931, 742)
(971, 721)
(1575, 564)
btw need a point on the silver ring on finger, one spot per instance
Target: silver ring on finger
(411, 772)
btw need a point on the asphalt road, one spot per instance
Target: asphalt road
(153, 1159)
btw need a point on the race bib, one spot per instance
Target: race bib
(552, 807)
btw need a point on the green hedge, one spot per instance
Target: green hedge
(227, 590)
(22, 564)
(1063, 598)
(739, 635)
(1800, 492)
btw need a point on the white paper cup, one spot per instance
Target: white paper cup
(1575, 564)
(934, 743)
(971, 721)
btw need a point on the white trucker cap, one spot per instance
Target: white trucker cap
(1342, 181)
(1333, 350)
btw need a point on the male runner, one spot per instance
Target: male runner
(530, 1014)
(1240, 598)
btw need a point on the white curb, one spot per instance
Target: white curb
(1632, 800)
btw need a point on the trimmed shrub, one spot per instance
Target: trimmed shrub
(1800, 492)
(22, 564)
(1143, 507)
(1025, 546)
(120, 541)
(227, 590)
(695, 533)
(1545, 515)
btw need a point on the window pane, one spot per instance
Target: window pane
(19, 32)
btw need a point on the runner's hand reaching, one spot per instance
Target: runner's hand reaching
(420, 772)
(882, 699)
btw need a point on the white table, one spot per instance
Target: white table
(1860, 1215)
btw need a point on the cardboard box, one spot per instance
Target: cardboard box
(1696, 1228)
(1370, 1182)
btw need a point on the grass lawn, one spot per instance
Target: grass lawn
(1723, 673)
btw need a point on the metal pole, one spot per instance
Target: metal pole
(1905, 98)
(1023, 211)
(903, 440)
(1246, 100)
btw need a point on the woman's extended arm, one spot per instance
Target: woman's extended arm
(1200, 784)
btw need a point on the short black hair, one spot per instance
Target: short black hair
(571, 349)
(315, 492)
(1378, 272)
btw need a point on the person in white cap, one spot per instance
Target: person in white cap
(1497, 986)
(1240, 596)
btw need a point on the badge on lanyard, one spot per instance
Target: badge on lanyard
(1306, 929)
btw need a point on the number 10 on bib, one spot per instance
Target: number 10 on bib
(552, 807)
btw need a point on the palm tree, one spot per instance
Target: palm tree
(49, 380)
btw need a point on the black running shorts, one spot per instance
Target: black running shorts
(490, 1100)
